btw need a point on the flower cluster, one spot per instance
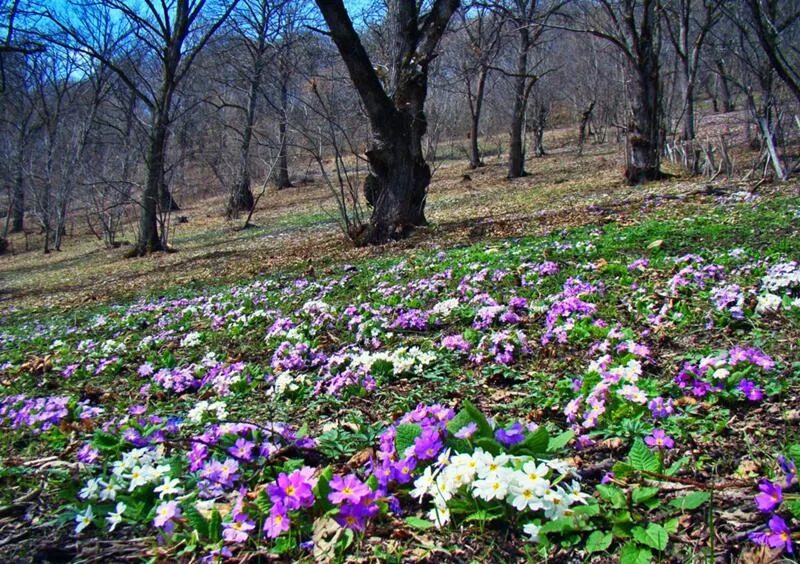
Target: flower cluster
(531, 487)
(731, 371)
(40, 414)
(771, 501)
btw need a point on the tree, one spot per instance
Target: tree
(688, 23)
(397, 186)
(252, 23)
(480, 31)
(527, 19)
(174, 34)
(11, 45)
(632, 26)
(776, 24)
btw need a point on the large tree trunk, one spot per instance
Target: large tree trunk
(149, 239)
(476, 105)
(516, 157)
(241, 195)
(18, 208)
(724, 89)
(400, 176)
(644, 135)
(282, 180)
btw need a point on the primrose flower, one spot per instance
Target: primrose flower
(493, 486)
(527, 494)
(88, 455)
(511, 436)
(778, 536)
(108, 491)
(440, 515)
(789, 469)
(424, 484)
(659, 439)
(165, 513)
(401, 472)
(770, 497)
(292, 491)
(277, 523)
(750, 390)
(238, 530)
(467, 430)
(532, 530)
(91, 490)
(84, 519)
(242, 449)
(352, 516)
(114, 518)
(169, 487)
(347, 489)
(427, 445)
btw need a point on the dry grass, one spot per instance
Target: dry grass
(296, 228)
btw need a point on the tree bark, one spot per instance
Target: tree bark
(241, 195)
(282, 181)
(400, 176)
(644, 135)
(18, 209)
(476, 106)
(149, 239)
(516, 156)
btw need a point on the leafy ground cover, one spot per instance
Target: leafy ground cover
(615, 391)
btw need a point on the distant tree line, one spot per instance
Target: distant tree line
(114, 110)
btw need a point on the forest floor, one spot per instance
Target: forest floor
(297, 228)
(561, 368)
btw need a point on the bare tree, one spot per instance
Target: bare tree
(397, 187)
(688, 23)
(480, 43)
(632, 26)
(527, 20)
(174, 34)
(776, 24)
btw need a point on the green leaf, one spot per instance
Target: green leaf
(622, 470)
(406, 435)
(489, 445)
(591, 509)
(671, 525)
(323, 488)
(598, 541)
(690, 501)
(562, 525)
(417, 523)
(633, 554)
(197, 521)
(534, 443)
(560, 441)
(675, 467)
(215, 526)
(641, 495)
(642, 458)
(484, 428)
(794, 453)
(654, 536)
(105, 441)
(263, 502)
(793, 507)
(612, 494)
(482, 516)
(284, 544)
